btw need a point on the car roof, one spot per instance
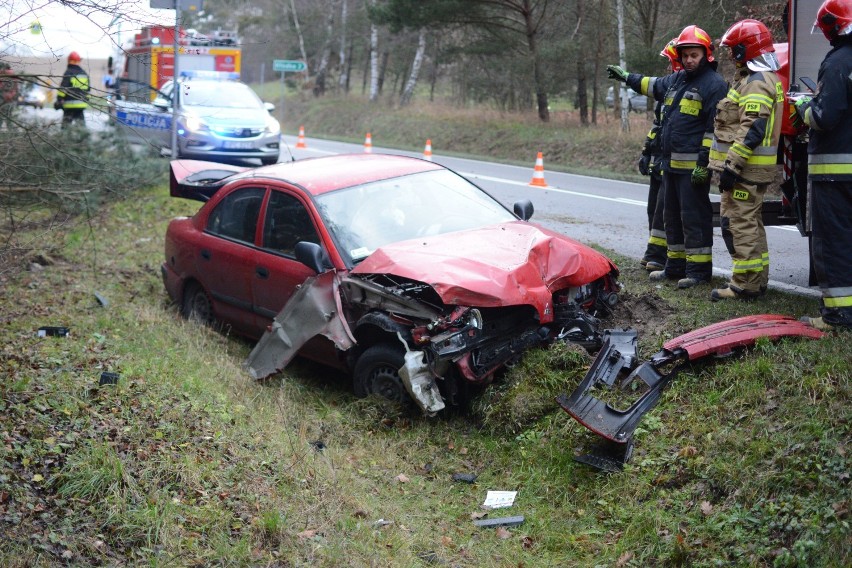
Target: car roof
(322, 175)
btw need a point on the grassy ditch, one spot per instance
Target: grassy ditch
(186, 461)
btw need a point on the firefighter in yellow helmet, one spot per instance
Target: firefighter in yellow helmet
(745, 146)
(73, 92)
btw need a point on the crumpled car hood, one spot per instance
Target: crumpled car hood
(502, 265)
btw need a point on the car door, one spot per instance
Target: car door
(225, 262)
(276, 272)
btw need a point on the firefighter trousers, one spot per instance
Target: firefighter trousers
(689, 228)
(830, 215)
(741, 211)
(656, 249)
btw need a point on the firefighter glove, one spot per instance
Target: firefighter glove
(700, 175)
(644, 163)
(617, 73)
(727, 179)
(797, 115)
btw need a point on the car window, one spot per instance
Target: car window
(287, 222)
(235, 217)
(365, 217)
(219, 94)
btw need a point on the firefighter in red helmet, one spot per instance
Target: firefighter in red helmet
(744, 152)
(687, 131)
(649, 165)
(73, 94)
(829, 116)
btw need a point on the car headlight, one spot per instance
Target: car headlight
(194, 124)
(272, 126)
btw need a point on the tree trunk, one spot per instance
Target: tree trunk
(374, 60)
(415, 69)
(299, 35)
(383, 68)
(625, 119)
(582, 88)
(343, 80)
(322, 70)
(540, 92)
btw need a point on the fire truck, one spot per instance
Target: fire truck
(150, 62)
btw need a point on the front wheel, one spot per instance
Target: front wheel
(377, 372)
(269, 161)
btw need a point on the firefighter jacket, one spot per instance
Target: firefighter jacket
(748, 126)
(687, 126)
(829, 116)
(74, 89)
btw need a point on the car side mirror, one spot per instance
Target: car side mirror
(524, 209)
(312, 256)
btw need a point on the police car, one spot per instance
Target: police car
(218, 119)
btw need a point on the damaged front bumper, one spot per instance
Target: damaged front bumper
(616, 367)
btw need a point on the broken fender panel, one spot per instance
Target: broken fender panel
(614, 367)
(503, 265)
(314, 309)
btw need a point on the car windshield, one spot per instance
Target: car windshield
(365, 217)
(218, 94)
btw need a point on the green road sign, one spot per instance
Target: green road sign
(288, 65)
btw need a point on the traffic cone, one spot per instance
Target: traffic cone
(427, 152)
(301, 142)
(538, 172)
(368, 144)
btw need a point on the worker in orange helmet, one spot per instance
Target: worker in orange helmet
(744, 152)
(649, 165)
(73, 94)
(686, 134)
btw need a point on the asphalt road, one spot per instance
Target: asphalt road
(592, 210)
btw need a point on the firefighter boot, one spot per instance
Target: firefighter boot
(732, 292)
(817, 323)
(689, 282)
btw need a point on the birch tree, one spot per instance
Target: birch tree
(415, 69)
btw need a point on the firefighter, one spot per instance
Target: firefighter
(73, 92)
(691, 96)
(649, 165)
(829, 116)
(744, 152)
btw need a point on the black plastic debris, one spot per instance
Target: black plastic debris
(53, 331)
(499, 522)
(108, 378)
(465, 477)
(318, 445)
(609, 457)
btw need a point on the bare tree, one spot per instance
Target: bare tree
(415, 69)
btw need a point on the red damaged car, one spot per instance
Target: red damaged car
(396, 270)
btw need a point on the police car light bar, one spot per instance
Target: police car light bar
(202, 74)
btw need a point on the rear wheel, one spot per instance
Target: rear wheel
(377, 372)
(196, 304)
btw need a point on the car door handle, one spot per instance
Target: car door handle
(205, 254)
(262, 272)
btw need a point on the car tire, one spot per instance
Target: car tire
(196, 305)
(269, 161)
(377, 372)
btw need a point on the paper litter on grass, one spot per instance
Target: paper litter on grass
(498, 499)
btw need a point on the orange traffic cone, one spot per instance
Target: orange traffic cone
(427, 152)
(538, 172)
(368, 144)
(301, 142)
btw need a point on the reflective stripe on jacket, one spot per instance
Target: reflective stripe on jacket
(687, 124)
(748, 126)
(830, 118)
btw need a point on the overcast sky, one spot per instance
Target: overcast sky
(64, 30)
